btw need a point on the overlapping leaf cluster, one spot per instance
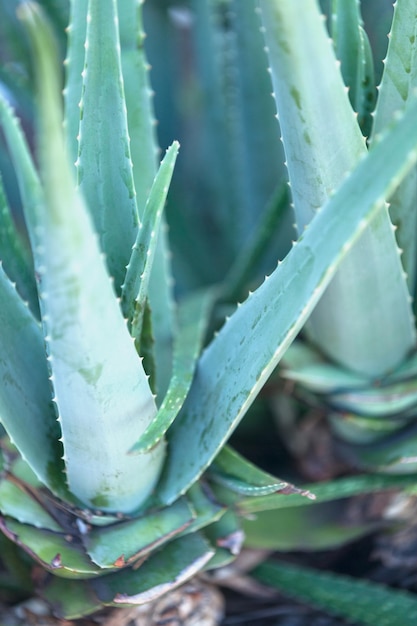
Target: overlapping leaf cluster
(116, 400)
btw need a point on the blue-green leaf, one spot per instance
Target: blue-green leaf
(101, 389)
(104, 165)
(241, 357)
(357, 600)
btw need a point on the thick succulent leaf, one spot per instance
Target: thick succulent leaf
(252, 253)
(361, 429)
(356, 600)
(332, 490)
(57, 553)
(250, 119)
(241, 357)
(144, 153)
(228, 537)
(126, 542)
(407, 370)
(232, 470)
(206, 509)
(104, 165)
(101, 389)
(138, 271)
(323, 143)
(173, 565)
(322, 527)
(138, 94)
(28, 181)
(193, 317)
(26, 408)
(14, 250)
(74, 66)
(308, 367)
(71, 599)
(19, 503)
(395, 454)
(377, 401)
(354, 52)
(398, 84)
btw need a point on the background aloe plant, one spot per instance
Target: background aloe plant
(96, 485)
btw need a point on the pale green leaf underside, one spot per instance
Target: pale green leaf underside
(241, 357)
(323, 143)
(101, 388)
(357, 600)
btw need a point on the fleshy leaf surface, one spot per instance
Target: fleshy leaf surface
(323, 143)
(241, 357)
(357, 600)
(100, 385)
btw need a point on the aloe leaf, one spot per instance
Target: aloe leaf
(228, 537)
(193, 315)
(239, 360)
(138, 271)
(17, 502)
(332, 490)
(177, 562)
(57, 553)
(26, 408)
(138, 94)
(104, 165)
(206, 509)
(354, 51)
(239, 475)
(397, 87)
(144, 153)
(263, 156)
(357, 600)
(379, 401)
(71, 599)
(74, 66)
(322, 527)
(251, 255)
(14, 251)
(354, 429)
(95, 367)
(126, 542)
(302, 364)
(29, 188)
(395, 453)
(162, 572)
(323, 143)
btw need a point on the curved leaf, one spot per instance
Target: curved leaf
(102, 391)
(241, 357)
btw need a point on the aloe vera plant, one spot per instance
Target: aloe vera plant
(116, 476)
(360, 355)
